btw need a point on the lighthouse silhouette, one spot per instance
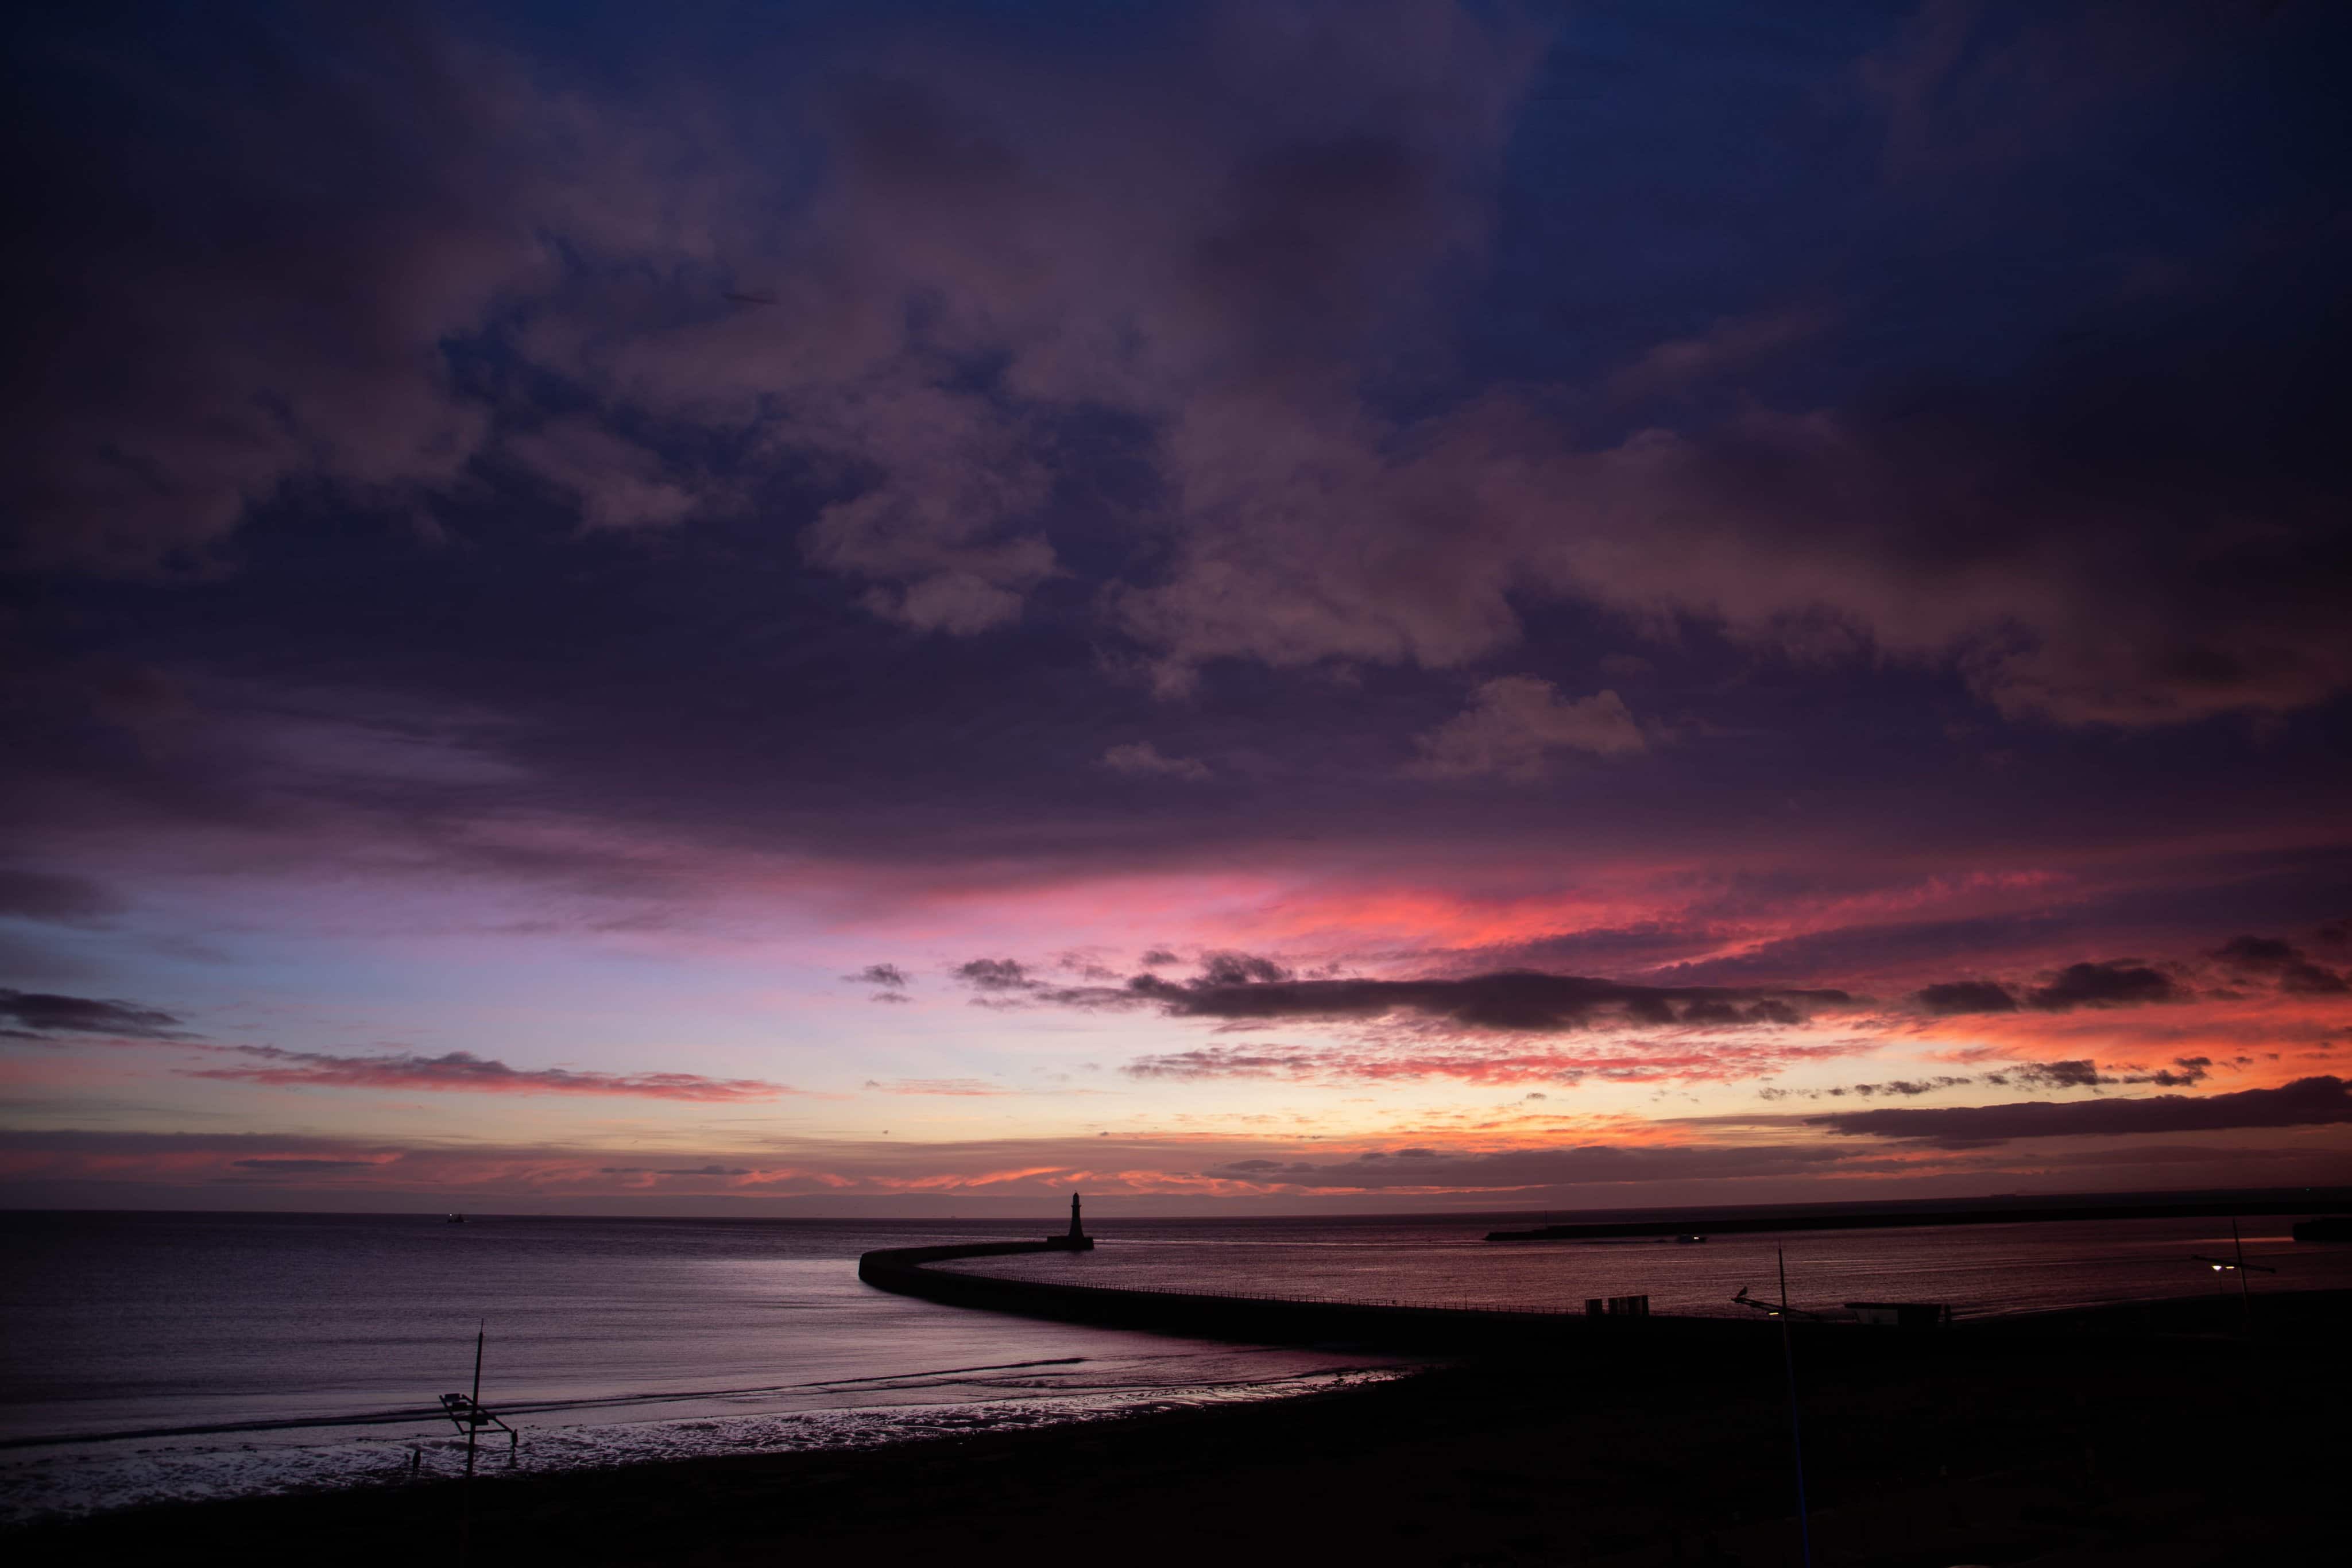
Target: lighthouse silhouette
(1076, 1240)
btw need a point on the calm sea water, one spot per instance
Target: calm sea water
(161, 1356)
(301, 1341)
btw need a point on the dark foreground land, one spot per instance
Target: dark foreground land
(2147, 1437)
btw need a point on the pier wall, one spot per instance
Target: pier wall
(1672, 1349)
(1276, 1319)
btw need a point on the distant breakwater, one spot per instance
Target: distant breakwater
(1276, 1319)
(1688, 1346)
(1888, 1218)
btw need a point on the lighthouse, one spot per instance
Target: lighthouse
(1077, 1240)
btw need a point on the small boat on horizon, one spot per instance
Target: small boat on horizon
(455, 1219)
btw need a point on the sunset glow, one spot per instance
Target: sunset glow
(898, 610)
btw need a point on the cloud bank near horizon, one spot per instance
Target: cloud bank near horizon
(2322, 1100)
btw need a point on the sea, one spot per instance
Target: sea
(157, 1357)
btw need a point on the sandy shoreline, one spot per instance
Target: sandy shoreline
(2134, 1431)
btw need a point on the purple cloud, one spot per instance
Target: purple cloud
(40, 1015)
(462, 1072)
(2308, 1101)
(1521, 1000)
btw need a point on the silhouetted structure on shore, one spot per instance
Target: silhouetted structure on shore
(1076, 1238)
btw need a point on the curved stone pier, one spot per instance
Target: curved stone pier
(1275, 1319)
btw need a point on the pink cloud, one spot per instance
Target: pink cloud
(463, 1072)
(949, 1086)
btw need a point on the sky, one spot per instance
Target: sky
(895, 609)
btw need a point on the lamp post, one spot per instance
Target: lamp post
(2235, 1264)
(1796, 1424)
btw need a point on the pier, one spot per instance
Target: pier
(1870, 1329)
(1298, 1320)
(1208, 1315)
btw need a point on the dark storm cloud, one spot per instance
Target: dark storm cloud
(278, 223)
(1242, 224)
(2290, 968)
(2116, 983)
(1954, 997)
(311, 231)
(1222, 232)
(2110, 983)
(39, 1015)
(1806, 533)
(2308, 1101)
(2258, 952)
(1512, 1001)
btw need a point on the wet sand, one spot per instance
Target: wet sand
(2142, 1435)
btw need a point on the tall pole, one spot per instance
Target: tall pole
(1796, 1425)
(473, 1424)
(2245, 1296)
(473, 1431)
